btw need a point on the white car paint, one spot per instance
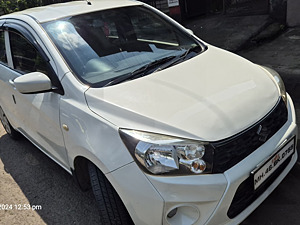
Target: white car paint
(231, 95)
(209, 109)
(56, 11)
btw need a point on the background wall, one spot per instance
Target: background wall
(293, 13)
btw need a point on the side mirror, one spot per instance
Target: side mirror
(31, 83)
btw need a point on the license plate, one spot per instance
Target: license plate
(261, 174)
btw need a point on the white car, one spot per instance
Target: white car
(165, 128)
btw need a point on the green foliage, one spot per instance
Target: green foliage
(16, 5)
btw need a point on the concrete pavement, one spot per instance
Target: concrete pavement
(257, 38)
(35, 190)
(230, 33)
(282, 54)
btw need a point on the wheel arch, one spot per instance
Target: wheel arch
(80, 173)
(80, 170)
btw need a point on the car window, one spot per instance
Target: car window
(3, 57)
(147, 28)
(25, 57)
(107, 44)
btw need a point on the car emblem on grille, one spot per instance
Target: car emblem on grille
(262, 133)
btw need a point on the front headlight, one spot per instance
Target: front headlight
(277, 79)
(160, 154)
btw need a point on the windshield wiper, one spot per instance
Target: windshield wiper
(165, 62)
(180, 57)
(140, 71)
(191, 49)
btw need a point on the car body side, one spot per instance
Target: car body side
(87, 138)
(82, 123)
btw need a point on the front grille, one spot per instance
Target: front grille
(245, 194)
(229, 152)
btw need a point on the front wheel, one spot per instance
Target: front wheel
(112, 209)
(8, 128)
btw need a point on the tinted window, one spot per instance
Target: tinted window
(25, 57)
(3, 57)
(146, 27)
(103, 45)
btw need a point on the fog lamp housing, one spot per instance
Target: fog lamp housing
(188, 213)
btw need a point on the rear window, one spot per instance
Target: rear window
(3, 58)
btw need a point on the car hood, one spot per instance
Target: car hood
(210, 97)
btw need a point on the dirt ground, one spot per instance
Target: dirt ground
(35, 190)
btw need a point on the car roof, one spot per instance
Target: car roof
(57, 11)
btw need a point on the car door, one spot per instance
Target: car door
(34, 115)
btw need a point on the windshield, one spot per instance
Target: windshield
(104, 45)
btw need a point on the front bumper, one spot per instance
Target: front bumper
(199, 199)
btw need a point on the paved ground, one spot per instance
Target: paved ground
(29, 178)
(230, 33)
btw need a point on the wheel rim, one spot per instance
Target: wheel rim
(5, 122)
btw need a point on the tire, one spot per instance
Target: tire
(112, 209)
(7, 126)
